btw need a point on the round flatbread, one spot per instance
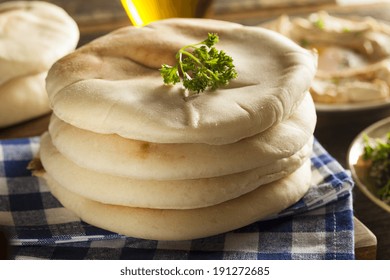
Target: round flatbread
(154, 161)
(34, 34)
(116, 77)
(22, 99)
(188, 224)
(181, 194)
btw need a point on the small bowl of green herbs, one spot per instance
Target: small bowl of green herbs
(369, 161)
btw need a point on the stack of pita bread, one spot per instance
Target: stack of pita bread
(33, 35)
(129, 154)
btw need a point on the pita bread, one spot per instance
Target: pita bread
(353, 60)
(153, 161)
(116, 77)
(22, 99)
(182, 194)
(34, 34)
(192, 223)
(364, 35)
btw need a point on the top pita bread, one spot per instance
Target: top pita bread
(116, 77)
(34, 35)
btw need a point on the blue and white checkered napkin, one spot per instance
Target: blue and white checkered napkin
(320, 226)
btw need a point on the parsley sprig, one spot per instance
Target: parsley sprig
(200, 66)
(378, 154)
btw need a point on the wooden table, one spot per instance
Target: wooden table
(97, 17)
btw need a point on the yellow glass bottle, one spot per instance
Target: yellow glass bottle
(142, 12)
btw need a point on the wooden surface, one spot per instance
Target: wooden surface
(334, 131)
(365, 242)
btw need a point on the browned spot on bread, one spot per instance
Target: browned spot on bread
(144, 149)
(36, 167)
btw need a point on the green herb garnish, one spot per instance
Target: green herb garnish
(200, 66)
(304, 43)
(378, 154)
(335, 80)
(319, 23)
(346, 30)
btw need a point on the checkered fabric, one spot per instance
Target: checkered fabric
(319, 226)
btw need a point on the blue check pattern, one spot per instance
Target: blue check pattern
(319, 226)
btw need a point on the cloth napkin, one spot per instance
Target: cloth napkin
(319, 226)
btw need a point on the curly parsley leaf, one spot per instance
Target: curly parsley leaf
(200, 66)
(378, 154)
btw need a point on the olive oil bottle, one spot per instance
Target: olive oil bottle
(142, 12)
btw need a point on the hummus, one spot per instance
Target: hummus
(353, 55)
